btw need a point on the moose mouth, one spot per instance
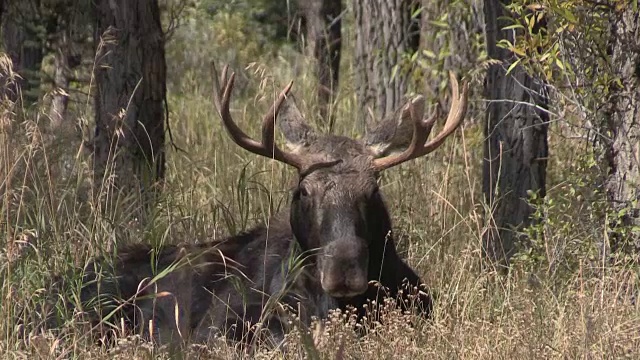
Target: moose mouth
(346, 288)
(346, 294)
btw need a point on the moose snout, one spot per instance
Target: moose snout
(343, 268)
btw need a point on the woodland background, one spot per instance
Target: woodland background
(525, 223)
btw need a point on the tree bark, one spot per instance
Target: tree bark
(515, 149)
(384, 33)
(323, 27)
(60, 93)
(24, 44)
(623, 125)
(449, 48)
(130, 96)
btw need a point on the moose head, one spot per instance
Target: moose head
(337, 211)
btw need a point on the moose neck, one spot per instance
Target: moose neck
(382, 250)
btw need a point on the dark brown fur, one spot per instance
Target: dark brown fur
(222, 286)
(332, 249)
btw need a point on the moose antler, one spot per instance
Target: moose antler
(422, 129)
(267, 147)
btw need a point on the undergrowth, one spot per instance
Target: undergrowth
(561, 300)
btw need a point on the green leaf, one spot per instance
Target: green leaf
(505, 44)
(440, 24)
(394, 72)
(568, 15)
(428, 53)
(513, 65)
(545, 56)
(417, 12)
(514, 26)
(518, 52)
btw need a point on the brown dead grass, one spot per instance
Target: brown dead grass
(48, 225)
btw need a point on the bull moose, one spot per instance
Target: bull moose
(331, 249)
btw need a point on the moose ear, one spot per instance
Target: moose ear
(396, 131)
(297, 133)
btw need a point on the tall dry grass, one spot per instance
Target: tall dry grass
(578, 308)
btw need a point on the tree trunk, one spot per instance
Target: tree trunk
(60, 93)
(324, 26)
(24, 44)
(384, 33)
(451, 47)
(623, 125)
(515, 149)
(130, 96)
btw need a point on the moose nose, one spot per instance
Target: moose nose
(343, 267)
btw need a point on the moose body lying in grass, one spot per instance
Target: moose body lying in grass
(331, 249)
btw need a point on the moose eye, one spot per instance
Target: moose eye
(303, 191)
